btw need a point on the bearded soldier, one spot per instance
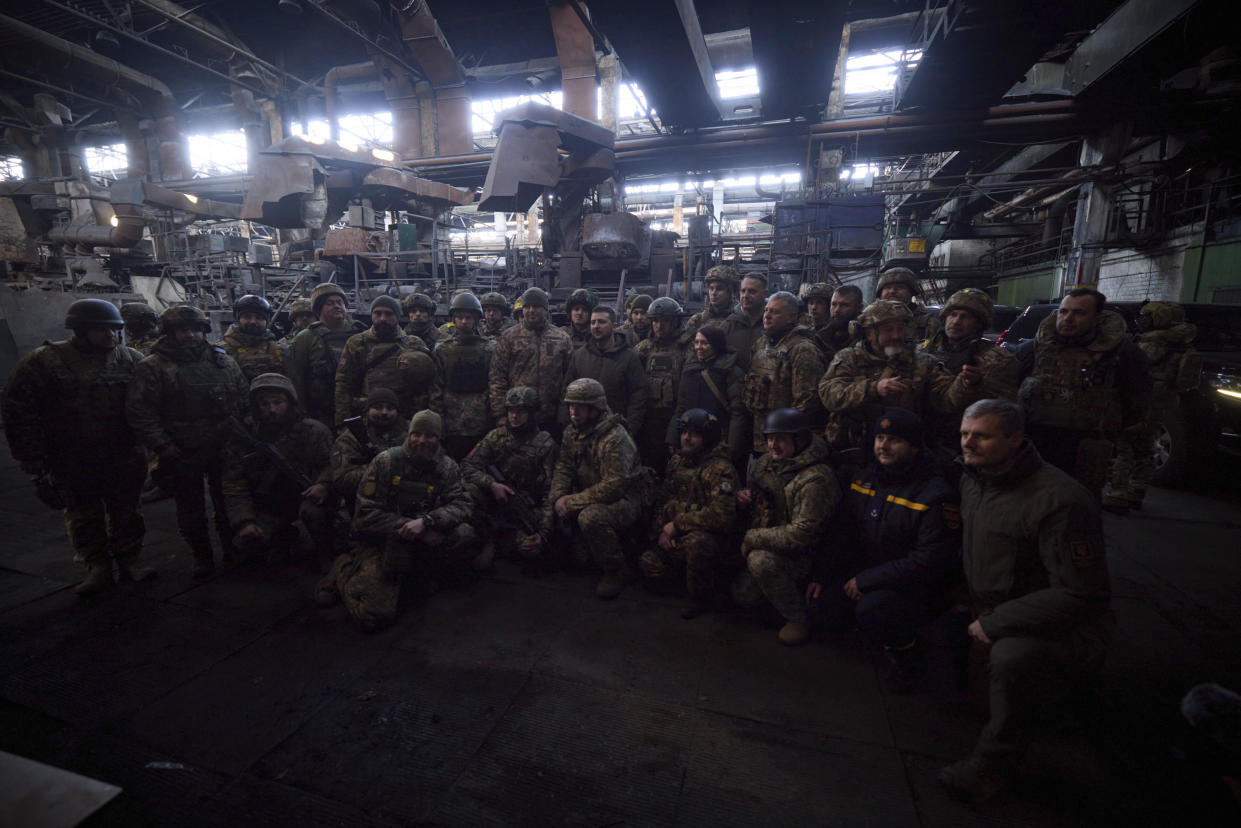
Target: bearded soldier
(462, 370)
(663, 356)
(315, 353)
(248, 341)
(533, 354)
(900, 284)
(141, 326)
(383, 357)
(421, 308)
(382, 428)
(495, 315)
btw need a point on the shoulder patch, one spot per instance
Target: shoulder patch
(369, 484)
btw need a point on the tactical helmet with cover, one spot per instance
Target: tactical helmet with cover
(138, 312)
(250, 303)
(898, 276)
(664, 307)
(466, 302)
(492, 299)
(973, 300)
(300, 306)
(724, 273)
(703, 422)
(183, 316)
(582, 296)
(85, 313)
(418, 301)
(272, 382)
(1158, 316)
(320, 295)
(522, 396)
(884, 310)
(587, 391)
(819, 290)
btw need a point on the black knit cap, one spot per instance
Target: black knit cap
(901, 423)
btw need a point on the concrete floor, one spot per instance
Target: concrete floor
(513, 700)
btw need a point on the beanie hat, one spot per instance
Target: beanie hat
(386, 302)
(382, 395)
(427, 421)
(900, 423)
(715, 335)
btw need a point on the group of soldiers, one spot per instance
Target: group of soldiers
(843, 467)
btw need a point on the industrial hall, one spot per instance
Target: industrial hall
(576, 412)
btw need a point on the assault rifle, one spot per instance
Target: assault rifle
(522, 507)
(357, 427)
(277, 464)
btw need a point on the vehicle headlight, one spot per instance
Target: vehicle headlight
(1227, 384)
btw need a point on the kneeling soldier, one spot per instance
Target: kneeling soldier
(362, 439)
(699, 501)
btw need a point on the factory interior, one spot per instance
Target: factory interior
(191, 153)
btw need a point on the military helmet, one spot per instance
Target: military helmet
(973, 300)
(522, 396)
(884, 310)
(582, 296)
(534, 298)
(418, 301)
(273, 382)
(300, 306)
(724, 273)
(86, 312)
(494, 300)
(138, 311)
(183, 316)
(787, 421)
(466, 302)
(1162, 315)
(703, 422)
(250, 303)
(586, 391)
(321, 293)
(819, 290)
(898, 276)
(664, 307)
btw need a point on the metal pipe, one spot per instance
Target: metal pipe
(58, 89)
(318, 5)
(126, 233)
(334, 76)
(576, 52)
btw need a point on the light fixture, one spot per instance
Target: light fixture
(1234, 394)
(192, 199)
(114, 221)
(383, 154)
(289, 7)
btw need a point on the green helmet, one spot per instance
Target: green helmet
(898, 276)
(321, 293)
(534, 298)
(494, 300)
(724, 273)
(819, 290)
(884, 310)
(1162, 315)
(300, 306)
(86, 312)
(522, 396)
(665, 307)
(418, 300)
(973, 300)
(183, 316)
(586, 391)
(251, 303)
(138, 312)
(582, 296)
(466, 302)
(273, 382)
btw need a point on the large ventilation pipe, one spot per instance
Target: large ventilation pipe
(351, 71)
(453, 116)
(126, 233)
(576, 50)
(135, 145)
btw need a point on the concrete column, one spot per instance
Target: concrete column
(1093, 206)
(678, 213)
(836, 99)
(426, 108)
(532, 225)
(607, 84)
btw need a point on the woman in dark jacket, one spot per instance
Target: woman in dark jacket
(712, 380)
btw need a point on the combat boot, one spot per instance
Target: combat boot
(98, 579)
(134, 572)
(794, 633)
(485, 558)
(972, 780)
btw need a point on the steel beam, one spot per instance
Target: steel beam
(1122, 34)
(698, 47)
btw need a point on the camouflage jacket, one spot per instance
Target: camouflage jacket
(833, 337)
(490, 331)
(425, 331)
(462, 375)
(180, 395)
(395, 489)
(925, 324)
(537, 358)
(251, 484)
(580, 339)
(620, 372)
(707, 316)
(311, 364)
(793, 500)
(350, 457)
(64, 407)
(699, 494)
(402, 364)
(663, 363)
(848, 392)
(1175, 365)
(527, 462)
(633, 336)
(1000, 380)
(784, 374)
(254, 355)
(596, 467)
(142, 344)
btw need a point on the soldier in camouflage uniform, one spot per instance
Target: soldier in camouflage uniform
(526, 457)
(495, 315)
(882, 372)
(597, 485)
(141, 326)
(421, 308)
(722, 283)
(960, 348)
(1175, 367)
(638, 323)
(64, 416)
(697, 504)
(790, 499)
(609, 359)
(535, 354)
(382, 428)
(663, 356)
(462, 373)
(383, 357)
(248, 341)
(900, 284)
(832, 311)
(262, 501)
(785, 369)
(301, 317)
(180, 395)
(413, 518)
(579, 306)
(315, 353)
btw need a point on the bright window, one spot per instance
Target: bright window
(111, 161)
(220, 153)
(11, 168)
(875, 72)
(738, 83)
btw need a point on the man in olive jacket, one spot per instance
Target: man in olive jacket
(608, 358)
(1037, 572)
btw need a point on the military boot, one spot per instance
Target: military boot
(135, 572)
(204, 562)
(485, 557)
(973, 780)
(98, 578)
(794, 633)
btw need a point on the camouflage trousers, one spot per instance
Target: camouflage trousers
(1134, 464)
(601, 526)
(780, 577)
(185, 479)
(276, 522)
(104, 515)
(1088, 459)
(698, 554)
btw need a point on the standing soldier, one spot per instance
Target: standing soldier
(791, 498)
(534, 354)
(301, 315)
(381, 428)
(818, 298)
(959, 344)
(462, 370)
(495, 315)
(141, 326)
(695, 511)
(421, 308)
(178, 399)
(526, 457)
(383, 357)
(64, 416)
(663, 357)
(637, 325)
(413, 516)
(579, 306)
(884, 371)
(785, 369)
(315, 353)
(248, 341)
(263, 499)
(900, 284)
(609, 359)
(722, 283)
(597, 483)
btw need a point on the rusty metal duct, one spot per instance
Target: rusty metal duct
(126, 233)
(425, 40)
(352, 71)
(135, 145)
(576, 50)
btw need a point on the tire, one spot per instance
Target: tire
(1173, 449)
